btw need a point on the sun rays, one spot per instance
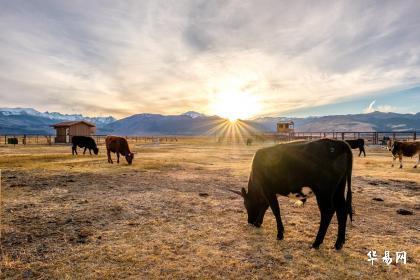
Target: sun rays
(237, 131)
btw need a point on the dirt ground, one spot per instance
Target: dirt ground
(171, 215)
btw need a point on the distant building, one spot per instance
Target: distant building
(66, 130)
(285, 127)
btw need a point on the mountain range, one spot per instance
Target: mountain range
(375, 121)
(31, 121)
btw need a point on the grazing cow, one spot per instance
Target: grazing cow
(83, 142)
(385, 140)
(325, 166)
(119, 146)
(407, 149)
(358, 143)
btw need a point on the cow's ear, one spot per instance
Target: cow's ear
(243, 192)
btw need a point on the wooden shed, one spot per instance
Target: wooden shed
(285, 127)
(65, 130)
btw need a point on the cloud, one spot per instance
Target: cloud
(381, 108)
(387, 108)
(173, 56)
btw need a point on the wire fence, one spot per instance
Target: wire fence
(371, 138)
(42, 139)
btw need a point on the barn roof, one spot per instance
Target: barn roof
(71, 123)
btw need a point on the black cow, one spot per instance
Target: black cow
(358, 143)
(249, 141)
(83, 142)
(385, 140)
(325, 166)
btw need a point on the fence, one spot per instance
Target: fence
(371, 138)
(41, 139)
(29, 139)
(100, 139)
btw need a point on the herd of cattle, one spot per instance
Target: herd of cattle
(119, 145)
(321, 168)
(115, 144)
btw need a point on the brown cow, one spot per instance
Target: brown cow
(119, 146)
(407, 149)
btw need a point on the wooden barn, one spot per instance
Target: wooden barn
(65, 130)
(285, 127)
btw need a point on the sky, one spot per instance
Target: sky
(270, 58)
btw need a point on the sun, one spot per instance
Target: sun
(234, 105)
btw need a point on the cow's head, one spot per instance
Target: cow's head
(96, 150)
(389, 144)
(129, 157)
(394, 148)
(254, 206)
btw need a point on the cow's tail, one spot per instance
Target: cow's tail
(349, 194)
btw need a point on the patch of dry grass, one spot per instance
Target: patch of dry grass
(79, 217)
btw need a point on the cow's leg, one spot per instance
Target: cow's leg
(360, 151)
(415, 166)
(73, 150)
(401, 160)
(364, 152)
(327, 211)
(108, 152)
(118, 157)
(274, 205)
(84, 151)
(90, 152)
(340, 208)
(393, 160)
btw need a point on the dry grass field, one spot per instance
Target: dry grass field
(171, 215)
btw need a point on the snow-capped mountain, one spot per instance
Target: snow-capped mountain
(19, 111)
(30, 121)
(55, 115)
(193, 114)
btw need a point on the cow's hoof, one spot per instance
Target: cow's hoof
(401, 167)
(280, 236)
(339, 245)
(315, 246)
(257, 224)
(415, 166)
